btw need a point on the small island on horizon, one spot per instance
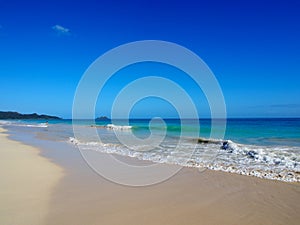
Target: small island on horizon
(102, 118)
(16, 115)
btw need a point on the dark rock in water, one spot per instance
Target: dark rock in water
(251, 154)
(225, 145)
(203, 141)
(19, 116)
(207, 141)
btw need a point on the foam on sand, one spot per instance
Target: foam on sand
(268, 162)
(27, 182)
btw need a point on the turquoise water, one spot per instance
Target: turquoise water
(267, 148)
(245, 131)
(285, 131)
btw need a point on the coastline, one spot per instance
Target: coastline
(27, 182)
(189, 197)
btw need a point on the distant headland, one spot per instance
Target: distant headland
(16, 115)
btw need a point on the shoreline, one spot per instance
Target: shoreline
(189, 197)
(27, 182)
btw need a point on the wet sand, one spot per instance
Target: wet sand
(189, 197)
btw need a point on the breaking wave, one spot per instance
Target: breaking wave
(19, 124)
(276, 163)
(117, 127)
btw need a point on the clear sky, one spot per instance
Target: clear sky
(252, 47)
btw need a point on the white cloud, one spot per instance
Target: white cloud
(60, 30)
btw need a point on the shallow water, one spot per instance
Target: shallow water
(267, 148)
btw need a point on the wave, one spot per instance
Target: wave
(35, 125)
(117, 127)
(4, 122)
(20, 124)
(276, 163)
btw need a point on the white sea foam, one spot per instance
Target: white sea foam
(21, 124)
(73, 140)
(277, 163)
(117, 127)
(35, 125)
(5, 122)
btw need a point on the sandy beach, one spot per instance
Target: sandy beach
(190, 197)
(34, 192)
(27, 182)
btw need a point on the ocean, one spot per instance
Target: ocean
(266, 148)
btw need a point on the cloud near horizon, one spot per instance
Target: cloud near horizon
(60, 30)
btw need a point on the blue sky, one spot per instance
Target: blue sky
(252, 47)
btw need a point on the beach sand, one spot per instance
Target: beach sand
(27, 182)
(84, 197)
(189, 197)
